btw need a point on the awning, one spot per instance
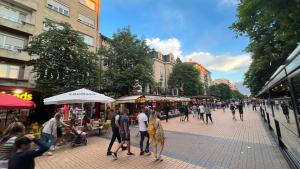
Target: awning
(78, 96)
(12, 102)
(128, 99)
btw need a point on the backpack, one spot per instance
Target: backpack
(151, 129)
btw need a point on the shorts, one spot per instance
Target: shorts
(123, 137)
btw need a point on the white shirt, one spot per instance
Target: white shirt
(201, 107)
(142, 118)
(50, 127)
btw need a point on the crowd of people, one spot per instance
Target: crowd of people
(150, 128)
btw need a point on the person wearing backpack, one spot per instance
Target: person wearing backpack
(157, 135)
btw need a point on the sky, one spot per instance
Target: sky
(190, 29)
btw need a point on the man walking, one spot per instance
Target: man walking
(208, 113)
(201, 112)
(232, 108)
(181, 110)
(124, 134)
(143, 124)
(240, 107)
(186, 113)
(115, 131)
(167, 110)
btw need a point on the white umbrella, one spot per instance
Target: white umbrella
(78, 96)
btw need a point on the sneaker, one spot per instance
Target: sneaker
(114, 155)
(130, 154)
(141, 153)
(109, 153)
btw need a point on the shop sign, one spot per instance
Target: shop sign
(141, 100)
(22, 95)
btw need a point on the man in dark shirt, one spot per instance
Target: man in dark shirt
(167, 110)
(24, 158)
(115, 131)
(124, 133)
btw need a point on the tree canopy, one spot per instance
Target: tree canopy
(62, 60)
(189, 77)
(273, 28)
(221, 91)
(127, 62)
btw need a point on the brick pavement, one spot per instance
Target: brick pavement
(224, 144)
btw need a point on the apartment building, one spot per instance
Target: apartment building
(22, 19)
(232, 86)
(205, 75)
(162, 68)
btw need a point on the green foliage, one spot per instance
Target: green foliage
(274, 30)
(127, 61)
(221, 91)
(64, 62)
(187, 75)
(237, 95)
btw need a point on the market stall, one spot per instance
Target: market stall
(9, 103)
(80, 96)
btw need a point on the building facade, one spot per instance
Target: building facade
(205, 75)
(162, 68)
(232, 86)
(20, 20)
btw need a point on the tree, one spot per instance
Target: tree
(237, 95)
(127, 61)
(64, 62)
(189, 77)
(221, 91)
(273, 28)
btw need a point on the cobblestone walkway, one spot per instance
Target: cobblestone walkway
(224, 144)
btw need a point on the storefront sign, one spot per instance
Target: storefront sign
(22, 95)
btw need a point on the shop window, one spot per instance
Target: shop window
(11, 42)
(296, 89)
(9, 71)
(62, 9)
(89, 3)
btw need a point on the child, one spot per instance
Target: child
(24, 157)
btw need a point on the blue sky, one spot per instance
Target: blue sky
(191, 29)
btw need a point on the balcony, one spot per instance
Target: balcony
(24, 4)
(13, 54)
(16, 24)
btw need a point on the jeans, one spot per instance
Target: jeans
(115, 135)
(143, 135)
(208, 116)
(48, 138)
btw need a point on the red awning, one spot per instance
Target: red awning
(12, 102)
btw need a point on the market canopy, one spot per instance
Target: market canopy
(12, 102)
(78, 96)
(142, 99)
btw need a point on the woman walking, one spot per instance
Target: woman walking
(157, 135)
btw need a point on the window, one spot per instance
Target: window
(9, 71)
(46, 27)
(12, 14)
(88, 40)
(86, 20)
(11, 43)
(89, 3)
(58, 7)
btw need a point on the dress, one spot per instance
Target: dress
(159, 136)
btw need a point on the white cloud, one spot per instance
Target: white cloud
(228, 2)
(171, 45)
(223, 63)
